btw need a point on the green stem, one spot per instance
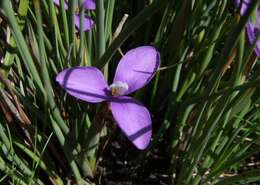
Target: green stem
(101, 46)
(82, 34)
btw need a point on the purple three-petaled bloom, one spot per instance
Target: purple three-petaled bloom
(252, 27)
(88, 23)
(134, 71)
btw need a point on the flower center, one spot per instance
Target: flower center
(118, 88)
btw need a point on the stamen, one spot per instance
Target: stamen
(118, 88)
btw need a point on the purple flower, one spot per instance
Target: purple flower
(90, 4)
(88, 23)
(244, 5)
(252, 31)
(252, 27)
(133, 72)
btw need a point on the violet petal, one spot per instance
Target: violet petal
(57, 2)
(244, 5)
(258, 15)
(85, 83)
(133, 119)
(252, 31)
(137, 67)
(88, 23)
(90, 5)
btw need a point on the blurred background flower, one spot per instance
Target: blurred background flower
(88, 23)
(253, 25)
